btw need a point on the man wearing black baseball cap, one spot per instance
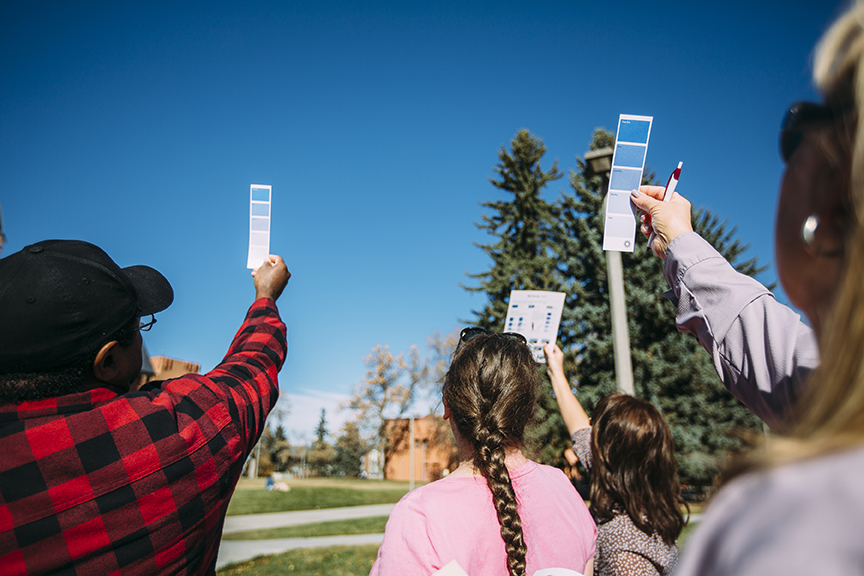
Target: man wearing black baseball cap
(97, 478)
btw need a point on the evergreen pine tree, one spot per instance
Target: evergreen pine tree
(350, 449)
(522, 225)
(541, 245)
(321, 429)
(670, 369)
(321, 455)
(524, 257)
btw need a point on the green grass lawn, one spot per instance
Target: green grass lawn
(371, 525)
(313, 494)
(695, 508)
(685, 533)
(331, 561)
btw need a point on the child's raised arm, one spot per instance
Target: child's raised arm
(572, 412)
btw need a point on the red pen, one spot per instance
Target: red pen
(667, 193)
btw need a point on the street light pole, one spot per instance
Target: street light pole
(411, 458)
(620, 334)
(600, 162)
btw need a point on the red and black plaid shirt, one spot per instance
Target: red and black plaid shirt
(101, 483)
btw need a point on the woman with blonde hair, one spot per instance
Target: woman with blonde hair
(797, 507)
(498, 513)
(635, 493)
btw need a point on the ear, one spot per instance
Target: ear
(106, 367)
(834, 211)
(447, 414)
(830, 235)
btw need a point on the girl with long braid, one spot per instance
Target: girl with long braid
(498, 513)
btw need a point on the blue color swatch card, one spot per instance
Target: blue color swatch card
(536, 314)
(628, 161)
(259, 225)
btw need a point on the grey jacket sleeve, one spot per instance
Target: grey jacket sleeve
(760, 348)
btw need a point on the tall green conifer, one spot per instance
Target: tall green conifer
(522, 226)
(670, 369)
(540, 245)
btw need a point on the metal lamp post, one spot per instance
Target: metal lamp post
(600, 162)
(411, 453)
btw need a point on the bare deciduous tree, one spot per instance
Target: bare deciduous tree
(389, 390)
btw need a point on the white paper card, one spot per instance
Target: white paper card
(628, 161)
(536, 314)
(259, 225)
(452, 568)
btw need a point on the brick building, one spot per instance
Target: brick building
(434, 449)
(163, 368)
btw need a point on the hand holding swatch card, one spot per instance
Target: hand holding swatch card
(535, 314)
(628, 162)
(259, 225)
(671, 184)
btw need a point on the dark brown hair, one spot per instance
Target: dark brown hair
(490, 391)
(634, 467)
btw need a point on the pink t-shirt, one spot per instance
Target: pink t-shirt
(454, 518)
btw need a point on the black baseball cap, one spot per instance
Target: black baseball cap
(62, 299)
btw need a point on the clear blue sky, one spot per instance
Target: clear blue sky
(139, 126)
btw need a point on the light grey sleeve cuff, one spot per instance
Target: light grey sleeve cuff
(709, 292)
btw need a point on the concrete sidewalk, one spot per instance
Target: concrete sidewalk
(278, 519)
(232, 551)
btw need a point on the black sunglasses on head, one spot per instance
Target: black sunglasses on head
(472, 331)
(795, 121)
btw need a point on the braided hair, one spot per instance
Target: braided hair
(490, 391)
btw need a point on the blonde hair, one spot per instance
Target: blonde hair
(830, 415)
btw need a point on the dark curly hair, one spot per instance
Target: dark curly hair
(17, 387)
(490, 390)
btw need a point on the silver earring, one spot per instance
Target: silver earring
(808, 231)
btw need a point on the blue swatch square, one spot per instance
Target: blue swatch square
(630, 155)
(633, 131)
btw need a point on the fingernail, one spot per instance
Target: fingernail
(635, 194)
